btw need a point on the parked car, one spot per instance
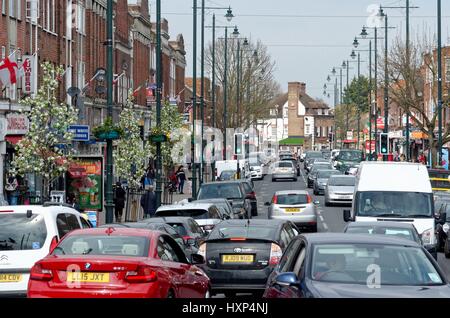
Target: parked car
(233, 191)
(313, 173)
(27, 234)
(294, 162)
(340, 190)
(283, 170)
(321, 180)
(207, 215)
(240, 254)
(256, 170)
(222, 204)
(311, 155)
(442, 229)
(118, 262)
(332, 265)
(296, 206)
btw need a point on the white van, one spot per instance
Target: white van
(396, 191)
(227, 165)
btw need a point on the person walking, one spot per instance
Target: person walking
(181, 175)
(148, 203)
(11, 189)
(119, 201)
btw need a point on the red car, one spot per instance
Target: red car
(118, 262)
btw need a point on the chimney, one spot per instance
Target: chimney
(302, 88)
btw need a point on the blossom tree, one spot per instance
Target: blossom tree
(129, 155)
(46, 149)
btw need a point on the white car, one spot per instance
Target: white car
(27, 235)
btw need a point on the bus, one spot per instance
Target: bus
(439, 179)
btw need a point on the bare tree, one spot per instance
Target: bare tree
(257, 86)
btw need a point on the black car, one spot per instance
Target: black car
(241, 254)
(250, 192)
(332, 265)
(315, 167)
(294, 161)
(309, 155)
(443, 229)
(233, 191)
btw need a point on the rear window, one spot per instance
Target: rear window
(292, 199)
(220, 190)
(313, 155)
(285, 164)
(197, 214)
(136, 246)
(342, 181)
(259, 232)
(17, 232)
(324, 174)
(179, 227)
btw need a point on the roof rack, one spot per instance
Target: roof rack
(49, 203)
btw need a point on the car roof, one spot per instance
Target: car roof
(223, 182)
(346, 176)
(167, 219)
(328, 170)
(114, 231)
(186, 206)
(392, 224)
(38, 209)
(252, 222)
(291, 191)
(346, 238)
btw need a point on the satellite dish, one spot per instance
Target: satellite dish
(73, 91)
(100, 90)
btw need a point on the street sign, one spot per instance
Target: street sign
(80, 132)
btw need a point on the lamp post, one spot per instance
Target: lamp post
(439, 61)
(158, 102)
(194, 101)
(382, 14)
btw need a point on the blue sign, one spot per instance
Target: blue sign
(445, 158)
(80, 132)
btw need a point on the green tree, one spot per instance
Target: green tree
(46, 149)
(129, 155)
(358, 93)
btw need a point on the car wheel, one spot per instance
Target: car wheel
(327, 203)
(446, 249)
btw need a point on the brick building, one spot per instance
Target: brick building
(72, 34)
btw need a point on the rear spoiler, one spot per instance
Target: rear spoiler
(247, 239)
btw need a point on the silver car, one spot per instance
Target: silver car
(283, 170)
(295, 206)
(321, 180)
(340, 189)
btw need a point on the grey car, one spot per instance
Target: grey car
(315, 167)
(283, 170)
(340, 189)
(321, 180)
(295, 206)
(314, 161)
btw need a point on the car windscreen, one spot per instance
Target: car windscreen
(325, 174)
(257, 232)
(342, 181)
(321, 166)
(395, 204)
(292, 199)
(227, 175)
(284, 164)
(350, 156)
(179, 227)
(135, 246)
(198, 214)
(220, 190)
(17, 232)
(356, 263)
(310, 155)
(383, 230)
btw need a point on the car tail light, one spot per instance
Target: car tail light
(143, 274)
(187, 237)
(202, 250)
(53, 243)
(238, 239)
(39, 273)
(275, 254)
(6, 211)
(275, 199)
(308, 198)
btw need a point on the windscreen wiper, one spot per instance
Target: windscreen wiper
(418, 216)
(389, 214)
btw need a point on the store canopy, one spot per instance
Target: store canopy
(13, 139)
(292, 141)
(77, 171)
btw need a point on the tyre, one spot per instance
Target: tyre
(327, 203)
(446, 249)
(295, 179)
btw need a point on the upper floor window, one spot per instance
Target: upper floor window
(173, 78)
(447, 69)
(48, 15)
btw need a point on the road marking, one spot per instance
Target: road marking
(321, 218)
(325, 226)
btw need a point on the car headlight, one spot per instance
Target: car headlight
(446, 227)
(427, 236)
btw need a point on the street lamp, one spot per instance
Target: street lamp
(382, 14)
(235, 33)
(356, 43)
(229, 14)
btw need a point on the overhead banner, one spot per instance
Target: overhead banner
(27, 78)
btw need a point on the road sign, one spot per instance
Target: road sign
(80, 132)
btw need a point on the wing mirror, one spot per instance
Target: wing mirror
(348, 216)
(287, 279)
(197, 259)
(442, 218)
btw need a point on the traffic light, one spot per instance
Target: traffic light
(384, 144)
(238, 143)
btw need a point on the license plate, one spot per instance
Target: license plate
(10, 278)
(85, 277)
(292, 210)
(345, 197)
(237, 259)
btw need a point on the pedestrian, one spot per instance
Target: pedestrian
(148, 203)
(181, 175)
(422, 159)
(11, 189)
(402, 157)
(148, 178)
(72, 200)
(119, 201)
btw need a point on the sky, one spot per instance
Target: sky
(305, 38)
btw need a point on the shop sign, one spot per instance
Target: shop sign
(395, 134)
(18, 124)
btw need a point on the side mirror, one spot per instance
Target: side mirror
(197, 259)
(443, 218)
(287, 279)
(348, 216)
(267, 204)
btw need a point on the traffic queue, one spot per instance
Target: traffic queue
(214, 245)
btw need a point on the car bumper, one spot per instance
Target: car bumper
(256, 174)
(13, 294)
(302, 221)
(284, 176)
(333, 198)
(242, 280)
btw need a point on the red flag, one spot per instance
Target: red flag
(8, 72)
(136, 91)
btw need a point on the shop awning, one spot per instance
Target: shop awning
(292, 141)
(350, 141)
(76, 171)
(13, 139)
